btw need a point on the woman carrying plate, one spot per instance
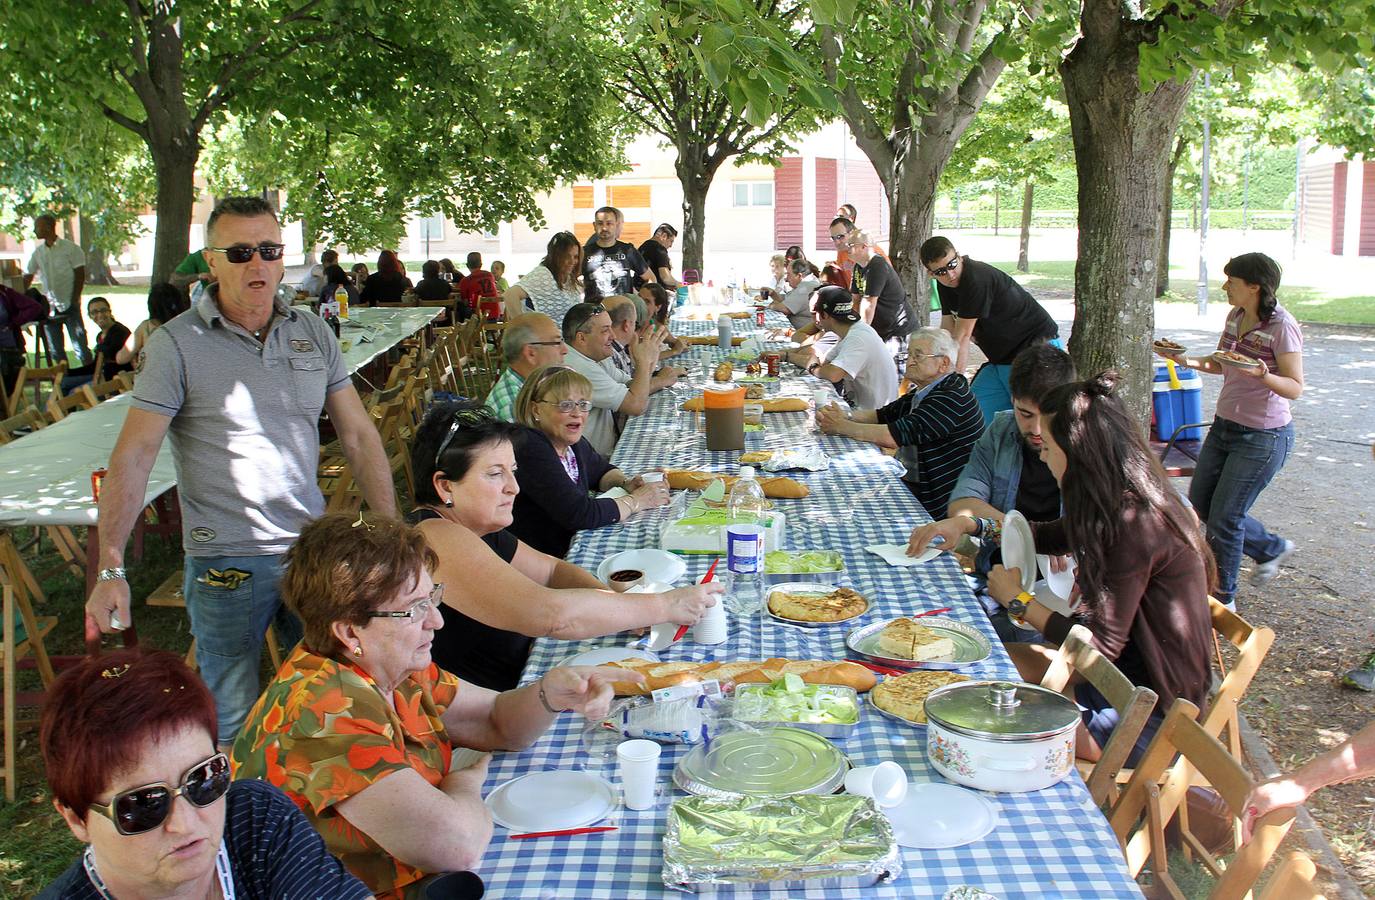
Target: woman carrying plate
(502, 592)
(1145, 570)
(359, 726)
(1253, 430)
(557, 468)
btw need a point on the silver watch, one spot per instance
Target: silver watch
(113, 574)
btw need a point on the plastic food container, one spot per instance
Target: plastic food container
(826, 730)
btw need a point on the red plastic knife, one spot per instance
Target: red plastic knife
(683, 629)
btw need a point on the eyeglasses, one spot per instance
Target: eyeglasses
(837, 238)
(946, 269)
(567, 406)
(144, 808)
(544, 343)
(419, 609)
(916, 356)
(466, 418)
(268, 252)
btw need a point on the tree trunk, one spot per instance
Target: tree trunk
(97, 265)
(997, 208)
(912, 213)
(1024, 242)
(695, 174)
(176, 168)
(1122, 140)
(1162, 263)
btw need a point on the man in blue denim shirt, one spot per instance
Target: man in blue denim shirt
(1005, 470)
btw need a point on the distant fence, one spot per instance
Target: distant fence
(1010, 220)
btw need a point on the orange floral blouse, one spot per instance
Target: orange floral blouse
(322, 732)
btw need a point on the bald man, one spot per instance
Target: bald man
(530, 341)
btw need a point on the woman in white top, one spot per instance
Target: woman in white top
(553, 285)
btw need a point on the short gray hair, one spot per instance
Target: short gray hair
(621, 309)
(519, 333)
(800, 267)
(244, 207)
(942, 342)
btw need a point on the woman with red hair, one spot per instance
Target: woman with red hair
(129, 745)
(388, 283)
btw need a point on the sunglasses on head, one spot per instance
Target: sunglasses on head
(144, 808)
(268, 252)
(467, 418)
(945, 269)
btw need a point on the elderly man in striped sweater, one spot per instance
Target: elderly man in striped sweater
(933, 426)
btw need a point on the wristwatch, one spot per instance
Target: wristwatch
(1017, 606)
(113, 574)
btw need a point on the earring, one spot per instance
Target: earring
(358, 650)
(448, 502)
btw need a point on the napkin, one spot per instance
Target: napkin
(615, 493)
(896, 554)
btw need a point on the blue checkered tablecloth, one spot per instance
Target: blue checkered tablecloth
(1048, 844)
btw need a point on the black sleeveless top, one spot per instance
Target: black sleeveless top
(478, 653)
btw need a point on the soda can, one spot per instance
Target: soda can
(759, 316)
(97, 477)
(772, 360)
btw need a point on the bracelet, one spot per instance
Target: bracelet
(545, 700)
(978, 524)
(115, 573)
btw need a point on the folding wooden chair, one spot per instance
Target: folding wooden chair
(106, 389)
(35, 378)
(1132, 702)
(1293, 880)
(23, 636)
(1157, 791)
(24, 422)
(60, 407)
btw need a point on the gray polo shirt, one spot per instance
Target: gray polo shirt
(245, 423)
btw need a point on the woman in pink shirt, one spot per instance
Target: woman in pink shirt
(1253, 431)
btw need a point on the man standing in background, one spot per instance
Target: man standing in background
(62, 266)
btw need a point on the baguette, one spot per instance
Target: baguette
(777, 487)
(704, 340)
(661, 675)
(776, 404)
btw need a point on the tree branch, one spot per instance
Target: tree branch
(868, 134)
(119, 118)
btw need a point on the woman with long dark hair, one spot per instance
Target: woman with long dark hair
(1253, 429)
(388, 283)
(553, 286)
(1145, 570)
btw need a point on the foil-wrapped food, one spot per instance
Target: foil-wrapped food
(835, 842)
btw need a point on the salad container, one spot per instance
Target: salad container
(766, 703)
(819, 566)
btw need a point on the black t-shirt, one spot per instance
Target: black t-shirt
(1038, 494)
(656, 257)
(1008, 317)
(478, 653)
(608, 271)
(274, 853)
(879, 279)
(384, 287)
(109, 345)
(432, 289)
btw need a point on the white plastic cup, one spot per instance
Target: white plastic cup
(885, 783)
(821, 398)
(713, 627)
(638, 762)
(651, 477)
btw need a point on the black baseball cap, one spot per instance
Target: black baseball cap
(836, 302)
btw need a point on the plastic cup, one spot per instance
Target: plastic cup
(651, 477)
(713, 627)
(885, 783)
(638, 762)
(821, 398)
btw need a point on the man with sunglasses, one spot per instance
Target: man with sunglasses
(982, 303)
(239, 382)
(587, 332)
(529, 342)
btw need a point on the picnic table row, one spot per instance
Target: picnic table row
(1048, 843)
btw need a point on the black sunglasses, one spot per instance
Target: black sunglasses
(467, 418)
(945, 269)
(144, 808)
(269, 252)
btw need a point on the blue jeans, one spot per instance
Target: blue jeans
(229, 614)
(1234, 466)
(75, 327)
(990, 389)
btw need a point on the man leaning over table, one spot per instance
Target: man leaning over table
(530, 341)
(587, 332)
(238, 381)
(1005, 471)
(63, 267)
(655, 253)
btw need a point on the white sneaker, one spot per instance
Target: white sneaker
(1265, 572)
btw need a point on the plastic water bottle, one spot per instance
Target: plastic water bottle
(723, 329)
(745, 552)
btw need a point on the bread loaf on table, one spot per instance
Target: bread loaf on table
(776, 404)
(777, 487)
(661, 675)
(703, 340)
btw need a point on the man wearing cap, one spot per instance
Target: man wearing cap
(981, 303)
(655, 252)
(859, 362)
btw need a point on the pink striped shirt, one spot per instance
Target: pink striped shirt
(1244, 399)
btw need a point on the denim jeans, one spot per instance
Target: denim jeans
(1234, 466)
(75, 327)
(229, 614)
(990, 389)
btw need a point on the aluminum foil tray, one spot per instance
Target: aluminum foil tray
(971, 645)
(768, 762)
(805, 842)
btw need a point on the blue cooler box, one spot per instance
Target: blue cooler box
(1177, 406)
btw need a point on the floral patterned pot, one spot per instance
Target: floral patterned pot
(1000, 736)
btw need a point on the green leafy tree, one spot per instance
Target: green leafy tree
(678, 71)
(466, 108)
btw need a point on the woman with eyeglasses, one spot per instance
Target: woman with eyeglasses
(502, 593)
(552, 286)
(129, 744)
(364, 731)
(558, 470)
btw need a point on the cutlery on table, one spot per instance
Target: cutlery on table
(932, 612)
(562, 833)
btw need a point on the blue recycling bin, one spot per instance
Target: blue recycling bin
(1177, 406)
